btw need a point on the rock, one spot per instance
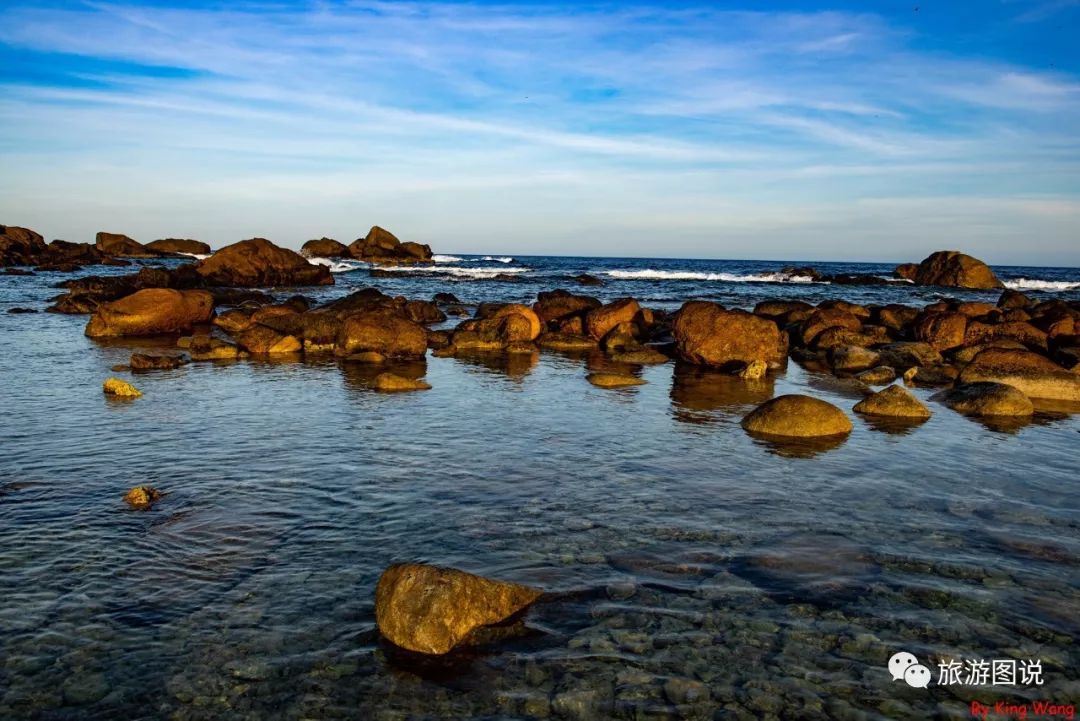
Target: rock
(852, 358)
(63, 252)
(184, 246)
(600, 321)
(894, 402)
(641, 356)
(613, 380)
(560, 305)
(1013, 299)
(877, 376)
(986, 399)
(235, 320)
(939, 375)
(446, 299)
(142, 497)
(1033, 374)
(907, 271)
(430, 610)
(390, 383)
(262, 340)
(586, 279)
(151, 311)
(123, 246)
(1020, 331)
(804, 272)
(836, 336)
(681, 691)
(754, 370)
(500, 328)
(955, 270)
(896, 317)
(143, 362)
(967, 354)
(525, 312)
(823, 318)
(623, 337)
(382, 246)
(121, 389)
(423, 312)
(17, 311)
(257, 263)
(206, 348)
(906, 355)
(566, 342)
(383, 331)
(941, 331)
(782, 310)
(707, 334)
(20, 246)
(325, 248)
(797, 416)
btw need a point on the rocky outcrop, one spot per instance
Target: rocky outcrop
(557, 306)
(20, 246)
(382, 246)
(797, 416)
(942, 331)
(708, 334)
(259, 263)
(183, 246)
(986, 399)
(325, 248)
(600, 321)
(150, 312)
(892, 402)
(264, 341)
(431, 610)
(952, 269)
(121, 246)
(383, 331)
(498, 329)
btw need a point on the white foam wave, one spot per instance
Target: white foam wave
(336, 265)
(446, 259)
(479, 273)
(498, 258)
(197, 256)
(1036, 284)
(650, 274)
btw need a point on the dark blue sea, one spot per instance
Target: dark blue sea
(691, 571)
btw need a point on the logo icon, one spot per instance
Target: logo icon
(904, 666)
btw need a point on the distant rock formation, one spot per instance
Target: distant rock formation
(952, 269)
(382, 246)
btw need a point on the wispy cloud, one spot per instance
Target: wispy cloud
(371, 111)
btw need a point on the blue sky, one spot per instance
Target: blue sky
(758, 130)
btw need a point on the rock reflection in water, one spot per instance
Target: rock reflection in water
(701, 396)
(514, 366)
(361, 376)
(796, 447)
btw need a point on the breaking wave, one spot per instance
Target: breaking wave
(446, 259)
(337, 265)
(1036, 284)
(460, 273)
(650, 274)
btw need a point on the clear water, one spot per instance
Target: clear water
(681, 556)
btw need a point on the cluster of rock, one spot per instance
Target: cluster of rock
(952, 269)
(25, 247)
(379, 246)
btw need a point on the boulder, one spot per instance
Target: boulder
(524, 311)
(391, 383)
(1035, 375)
(382, 331)
(501, 327)
(258, 262)
(823, 318)
(877, 376)
(955, 270)
(123, 246)
(144, 362)
(142, 497)
(600, 321)
(614, 380)
(382, 246)
(907, 271)
(423, 312)
(754, 371)
(430, 610)
(566, 342)
(207, 348)
(894, 402)
(941, 330)
(1021, 331)
(905, 355)
(586, 279)
(150, 312)
(708, 334)
(642, 356)
(325, 248)
(559, 305)
(797, 416)
(183, 246)
(1013, 299)
(852, 358)
(119, 388)
(261, 340)
(896, 317)
(981, 399)
(20, 246)
(966, 354)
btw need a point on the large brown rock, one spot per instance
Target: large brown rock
(325, 248)
(941, 330)
(955, 270)
(797, 416)
(431, 610)
(120, 245)
(152, 311)
(559, 305)
(382, 246)
(978, 332)
(982, 399)
(20, 246)
(822, 319)
(708, 334)
(1035, 375)
(185, 246)
(892, 402)
(600, 321)
(258, 262)
(383, 331)
(262, 340)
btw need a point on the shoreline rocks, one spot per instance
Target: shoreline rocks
(797, 416)
(257, 262)
(707, 334)
(152, 311)
(380, 246)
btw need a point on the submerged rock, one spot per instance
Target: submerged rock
(151, 311)
(986, 399)
(142, 497)
(797, 416)
(614, 380)
(754, 370)
(145, 362)
(121, 389)
(431, 610)
(894, 402)
(391, 383)
(640, 356)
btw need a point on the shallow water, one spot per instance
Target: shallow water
(692, 571)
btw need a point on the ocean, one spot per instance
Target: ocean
(690, 570)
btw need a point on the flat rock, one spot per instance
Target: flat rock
(980, 399)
